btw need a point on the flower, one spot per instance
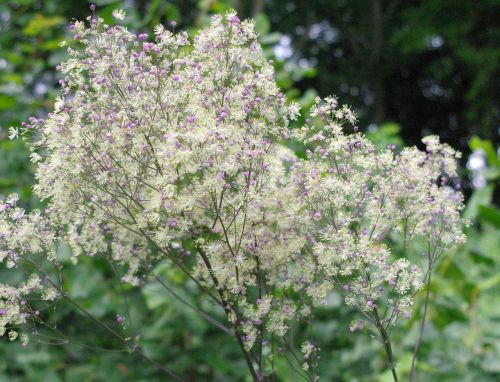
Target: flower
(119, 14)
(170, 147)
(13, 133)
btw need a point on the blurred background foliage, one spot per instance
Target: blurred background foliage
(410, 68)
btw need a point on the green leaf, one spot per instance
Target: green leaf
(489, 283)
(489, 214)
(480, 197)
(41, 24)
(477, 143)
(385, 134)
(155, 295)
(6, 102)
(271, 38)
(104, 2)
(262, 24)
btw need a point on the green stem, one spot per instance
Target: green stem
(422, 326)
(387, 345)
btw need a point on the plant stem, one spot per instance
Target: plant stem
(217, 286)
(134, 349)
(119, 336)
(422, 326)
(387, 344)
(201, 313)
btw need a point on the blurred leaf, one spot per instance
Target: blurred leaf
(155, 295)
(105, 2)
(490, 215)
(480, 197)
(262, 24)
(489, 283)
(385, 134)
(6, 102)
(477, 143)
(41, 24)
(271, 38)
(172, 13)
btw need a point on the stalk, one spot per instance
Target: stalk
(387, 345)
(422, 326)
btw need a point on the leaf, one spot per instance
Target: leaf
(6, 102)
(480, 197)
(385, 134)
(489, 214)
(262, 24)
(271, 38)
(41, 24)
(154, 295)
(477, 143)
(489, 283)
(104, 2)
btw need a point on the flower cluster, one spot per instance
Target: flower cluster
(352, 198)
(24, 240)
(159, 142)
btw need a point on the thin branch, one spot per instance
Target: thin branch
(422, 324)
(217, 286)
(387, 344)
(204, 315)
(134, 349)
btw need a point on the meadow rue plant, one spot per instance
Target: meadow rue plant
(23, 237)
(160, 145)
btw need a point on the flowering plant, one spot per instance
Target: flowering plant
(161, 146)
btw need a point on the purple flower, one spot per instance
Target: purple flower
(233, 20)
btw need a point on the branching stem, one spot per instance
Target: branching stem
(387, 344)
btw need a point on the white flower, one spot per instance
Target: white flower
(119, 14)
(159, 29)
(13, 133)
(181, 143)
(293, 111)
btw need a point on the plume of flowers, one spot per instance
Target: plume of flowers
(352, 198)
(161, 144)
(24, 239)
